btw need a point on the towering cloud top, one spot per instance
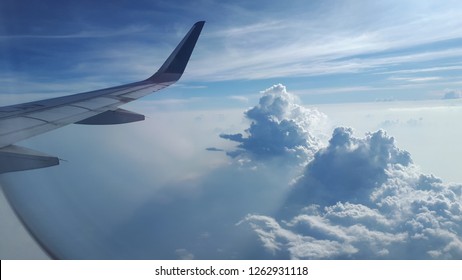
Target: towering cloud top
(349, 168)
(279, 127)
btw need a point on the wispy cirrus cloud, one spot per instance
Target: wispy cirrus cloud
(318, 45)
(424, 70)
(321, 40)
(84, 34)
(415, 79)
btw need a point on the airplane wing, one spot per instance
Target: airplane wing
(100, 107)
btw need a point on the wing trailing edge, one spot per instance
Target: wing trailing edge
(118, 116)
(16, 158)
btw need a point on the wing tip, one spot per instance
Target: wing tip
(174, 66)
(201, 23)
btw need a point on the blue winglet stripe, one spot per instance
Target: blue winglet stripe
(178, 59)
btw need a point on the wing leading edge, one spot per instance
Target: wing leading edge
(100, 107)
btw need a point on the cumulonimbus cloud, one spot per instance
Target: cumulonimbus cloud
(348, 168)
(279, 127)
(361, 198)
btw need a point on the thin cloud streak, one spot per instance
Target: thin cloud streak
(298, 61)
(307, 48)
(84, 34)
(424, 70)
(270, 45)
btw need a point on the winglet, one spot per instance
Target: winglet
(174, 66)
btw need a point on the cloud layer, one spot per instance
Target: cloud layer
(349, 197)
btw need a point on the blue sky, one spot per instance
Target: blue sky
(205, 176)
(326, 51)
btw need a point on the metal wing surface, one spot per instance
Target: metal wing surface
(99, 107)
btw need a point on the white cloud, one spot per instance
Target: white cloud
(327, 41)
(359, 198)
(423, 70)
(279, 127)
(452, 94)
(153, 191)
(415, 79)
(82, 34)
(184, 254)
(239, 98)
(348, 168)
(364, 198)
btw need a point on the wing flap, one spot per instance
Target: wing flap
(118, 116)
(15, 158)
